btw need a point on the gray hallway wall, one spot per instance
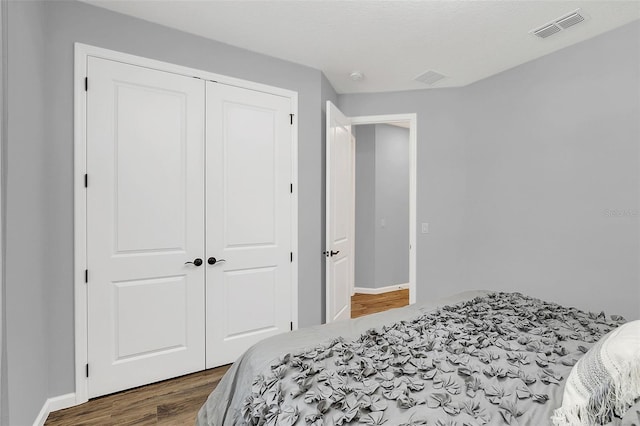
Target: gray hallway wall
(365, 214)
(392, 205)
(382, 206)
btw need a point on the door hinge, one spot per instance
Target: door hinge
(86, 180)
(87, 369)
(291, 253)
(291, 325)
(291, 117)
(86, 84)
(86, 275)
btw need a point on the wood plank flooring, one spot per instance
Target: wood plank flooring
(177, 401)
(171, 402)
(365, 304)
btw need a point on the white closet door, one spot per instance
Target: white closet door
(248, 219)
(145, 219)
(340, 215)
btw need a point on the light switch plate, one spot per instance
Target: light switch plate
(425, 228)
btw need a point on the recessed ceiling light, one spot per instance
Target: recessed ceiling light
(356, 76)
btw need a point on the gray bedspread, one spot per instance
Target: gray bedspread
(472, 359)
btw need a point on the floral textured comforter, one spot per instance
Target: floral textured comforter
(488, 358)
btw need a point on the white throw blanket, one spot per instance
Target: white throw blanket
(605, 382)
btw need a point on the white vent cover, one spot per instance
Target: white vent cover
(559, 24)
(571, 20)
(430, 77)
(545, 32)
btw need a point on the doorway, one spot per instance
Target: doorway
(381, 255)
(353, 222)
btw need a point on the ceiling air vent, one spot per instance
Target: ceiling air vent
(545, 32)
(559, 24)
(430, 77)
(571, 20)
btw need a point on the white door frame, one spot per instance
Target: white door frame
(82, 53)
(4, 87)
(413, 137)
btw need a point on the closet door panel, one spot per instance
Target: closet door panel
(250, 167)
(248, 209)
(145, 219)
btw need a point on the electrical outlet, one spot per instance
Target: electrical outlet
(425, 228)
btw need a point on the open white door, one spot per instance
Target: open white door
(340, 214)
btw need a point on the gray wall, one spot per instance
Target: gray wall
(491, 198)
(365, 216)
(4, 86)
(518, 176)
(41, 192)
(382, 195)
(27, 276)
(392, 205)
(551, 147)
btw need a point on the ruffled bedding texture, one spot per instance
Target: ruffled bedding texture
(476, 358)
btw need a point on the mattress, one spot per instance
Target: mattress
(474, 358)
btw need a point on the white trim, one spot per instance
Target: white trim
(80, 222)
(352, 214)
(294, 212)
(4, 86)
(82, 53)
(85, 50)
(380, 290)
(413, 138)
(54, 404)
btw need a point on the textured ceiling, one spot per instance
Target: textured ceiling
(391, 42)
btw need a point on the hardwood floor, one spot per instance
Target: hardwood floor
(171, 402)
(365, 304)
(177, 401)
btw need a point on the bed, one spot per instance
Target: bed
(474, 358)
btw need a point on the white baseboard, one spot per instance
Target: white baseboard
(54, 404)
(380, 290)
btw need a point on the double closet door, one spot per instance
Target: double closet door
(188, 223)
